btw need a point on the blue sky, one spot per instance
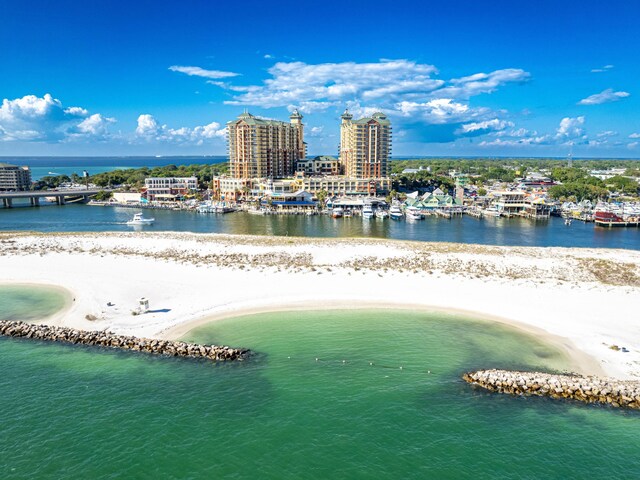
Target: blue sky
(472, 78)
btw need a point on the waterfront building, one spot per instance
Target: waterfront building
(435, 200)
(343, 185)
(509, 202)
(261, 148)
(287, 202)
(321, 165)
(169, 188)
(537, 207)
(13, 177)
(127, 197)
(267, 156)
(365, 146)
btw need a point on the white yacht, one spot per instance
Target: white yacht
(138, 219)
(413, 213)
(337, 212)
(395, 212)
(367, 211)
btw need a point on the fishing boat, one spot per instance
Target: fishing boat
(138, 219)
(337, 212)
(395, 212)
(367, 211)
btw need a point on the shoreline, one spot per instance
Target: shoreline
(55, 317)
(577, 360)
(582, 300)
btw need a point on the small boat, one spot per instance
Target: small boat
(367, 212)
(337, 212)
(413, 214)
(395, 212)
(348, 214)
(138, 219)
(382, 213)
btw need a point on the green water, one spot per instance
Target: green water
(73, 412)
(30, 302)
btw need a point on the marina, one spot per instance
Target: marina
(461, 229)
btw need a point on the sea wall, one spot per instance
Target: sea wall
(122, 342)
(617, 393)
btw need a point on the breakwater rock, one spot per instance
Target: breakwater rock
(617, 393)
(122, 342)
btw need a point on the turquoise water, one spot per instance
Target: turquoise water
(491, 231)
(45, 166)
(30, 302)
(71, 412)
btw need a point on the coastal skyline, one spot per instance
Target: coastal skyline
(163, 79)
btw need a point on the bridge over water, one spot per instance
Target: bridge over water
(61, 196)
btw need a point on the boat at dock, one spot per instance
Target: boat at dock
(395, 212)
(337, 212)
(413, 214)
(138, 219)
(367, 212)
(382, 214)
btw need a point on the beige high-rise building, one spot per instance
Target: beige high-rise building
(260, 148)
(13, 177)
(365, 146)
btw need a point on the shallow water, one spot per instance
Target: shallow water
(74, 412)
(30, 302)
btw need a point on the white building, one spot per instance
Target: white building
(169, 188)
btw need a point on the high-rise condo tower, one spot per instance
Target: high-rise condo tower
(365, 146)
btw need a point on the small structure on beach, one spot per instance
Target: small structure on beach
(143, 305)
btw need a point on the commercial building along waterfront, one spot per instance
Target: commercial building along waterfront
(13, 177)
(269, 157)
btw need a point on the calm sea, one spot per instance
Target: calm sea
(324, 398)
(490, 231)
(43, 166)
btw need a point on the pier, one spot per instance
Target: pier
(61, 196)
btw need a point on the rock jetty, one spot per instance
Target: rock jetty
(617, 393)
(122, 342)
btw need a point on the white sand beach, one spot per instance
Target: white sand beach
(584, 300)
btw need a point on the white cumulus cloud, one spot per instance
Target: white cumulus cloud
(606, 96)
(33, 118)
(570, 127)
(406, 90)
(493, 125)
(149, 130)
(388, 81)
